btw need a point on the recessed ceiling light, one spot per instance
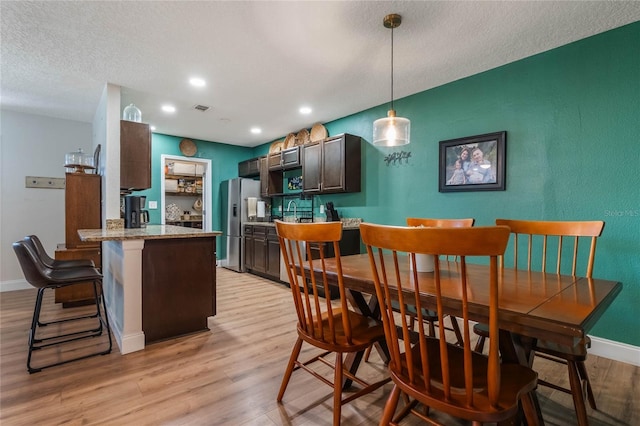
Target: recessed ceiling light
(305, 110)
(197, 82)
(256, 130)
(168, 108)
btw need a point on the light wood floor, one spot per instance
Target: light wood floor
(231, 375)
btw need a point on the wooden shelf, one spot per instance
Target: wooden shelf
(196, 177)
(181, 194)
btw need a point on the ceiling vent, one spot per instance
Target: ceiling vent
(201, 108)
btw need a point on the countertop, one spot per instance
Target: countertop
(150, 232)
(347, 223)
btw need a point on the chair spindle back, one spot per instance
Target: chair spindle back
(562, 231)
(301, 243)
(419, 360)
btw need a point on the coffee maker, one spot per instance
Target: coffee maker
(134, 214)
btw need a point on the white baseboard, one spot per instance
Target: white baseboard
(616, 351)
(14, 285)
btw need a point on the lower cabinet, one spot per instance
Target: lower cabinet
(178, 286)
(262, 251)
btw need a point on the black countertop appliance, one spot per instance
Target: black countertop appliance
(332, 213)
(133, 211)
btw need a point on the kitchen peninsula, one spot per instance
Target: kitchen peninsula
(159, 281)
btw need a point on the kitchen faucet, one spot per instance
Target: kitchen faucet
(295, 210)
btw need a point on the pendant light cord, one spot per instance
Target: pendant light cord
(392, 68)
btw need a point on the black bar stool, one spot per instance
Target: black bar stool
(38, 248)
(42, 277)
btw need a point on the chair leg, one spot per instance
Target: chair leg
(367, 353)
(105, 319)
(45, 342)
(337, 390)
(531, 414)
(576, 392)
(456, 330)
(479, 344)
(390, 406)
(582, 370)
(432, 329)
(32, 331)
(290, 366)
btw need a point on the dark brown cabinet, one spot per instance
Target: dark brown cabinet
(247, 246)
(270, 183)
(273, 254)
(262, 250)
(178, 286)
(285, 160)
(135, 155)
(332, 165)
(82, 211)
(249, 168)
(82, 293)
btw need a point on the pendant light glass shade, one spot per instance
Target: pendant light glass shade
(392, 130)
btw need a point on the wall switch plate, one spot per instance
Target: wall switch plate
(43, 182)
(153, 205)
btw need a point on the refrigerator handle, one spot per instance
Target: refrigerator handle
(235, 210)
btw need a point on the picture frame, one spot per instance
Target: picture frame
(460, 171)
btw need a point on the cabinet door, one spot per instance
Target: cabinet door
(135, 155)
(273, 254)
(248, 249)
(274, 161)
(290, 158)
(249, 168)
(264, 176)
(260, 249)
(311, 171)
(333, 165)
(82, 207)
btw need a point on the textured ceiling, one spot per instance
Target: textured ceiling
(263, 60)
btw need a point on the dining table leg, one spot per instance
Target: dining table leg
(518, 349)
(371, 309)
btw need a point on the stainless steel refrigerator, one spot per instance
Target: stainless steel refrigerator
(234, 194)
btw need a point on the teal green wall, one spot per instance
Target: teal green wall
(224, 165)
(572, 117)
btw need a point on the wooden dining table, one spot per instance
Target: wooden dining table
(532, 305)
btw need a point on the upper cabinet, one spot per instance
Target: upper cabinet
(332, 165)
(135, 155)
(265, 181)
(249, 168)
(285, 160)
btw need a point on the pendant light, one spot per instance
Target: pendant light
(392, 130)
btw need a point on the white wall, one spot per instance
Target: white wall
(32, 145)
(106, 132)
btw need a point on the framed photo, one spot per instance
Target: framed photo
(474, 163)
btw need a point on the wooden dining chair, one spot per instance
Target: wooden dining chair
(535, 239)
(333, 329)
(429, 316)
(430, 371)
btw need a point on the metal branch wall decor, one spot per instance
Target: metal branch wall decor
(397, 158)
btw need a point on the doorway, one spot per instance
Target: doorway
(185, 191)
